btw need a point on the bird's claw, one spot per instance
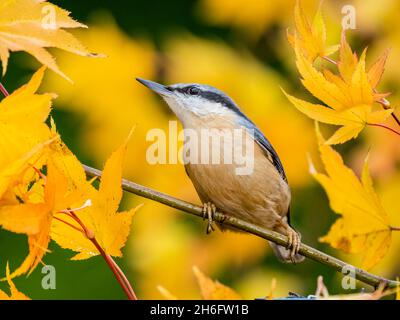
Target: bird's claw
(209, 210)
(294, 242)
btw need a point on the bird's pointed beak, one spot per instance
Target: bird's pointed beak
(156, 87)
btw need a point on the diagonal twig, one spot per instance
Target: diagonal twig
(305, 250)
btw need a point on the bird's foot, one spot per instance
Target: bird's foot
(209, 210)
(294, 242)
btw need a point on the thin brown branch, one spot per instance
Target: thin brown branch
(119, 275)
(3, 90)
(111, 263)
(269, 235)
(124, 278)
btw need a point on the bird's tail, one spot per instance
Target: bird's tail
(283, 254)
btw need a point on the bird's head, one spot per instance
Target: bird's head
(188, 100)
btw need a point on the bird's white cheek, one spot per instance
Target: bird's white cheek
(201, 107)
(177, 107)
(192, 109)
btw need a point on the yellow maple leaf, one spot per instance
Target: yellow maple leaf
(351, 88)
(34, 219)
(110, 228)
(349, 97)
(32, 26)
(22, 148)
(62, 188)
(363, 225)
(14, 293)
(310, 38)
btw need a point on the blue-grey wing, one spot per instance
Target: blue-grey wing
(265, 145)
(270, 151)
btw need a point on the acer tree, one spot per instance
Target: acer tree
(47, 194)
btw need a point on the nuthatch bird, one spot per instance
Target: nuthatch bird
(262, 197)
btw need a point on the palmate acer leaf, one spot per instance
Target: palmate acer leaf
(32, 26)
(349, 96)
(110, 228)
(64, 187)
(351, 88)
(364, 225)
(44, 214)
(310, 37)
(24, 135)
(48, 195)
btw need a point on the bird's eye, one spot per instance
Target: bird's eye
(193, 91)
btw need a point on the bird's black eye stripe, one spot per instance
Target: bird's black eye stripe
(219, 98)
(192, 90)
